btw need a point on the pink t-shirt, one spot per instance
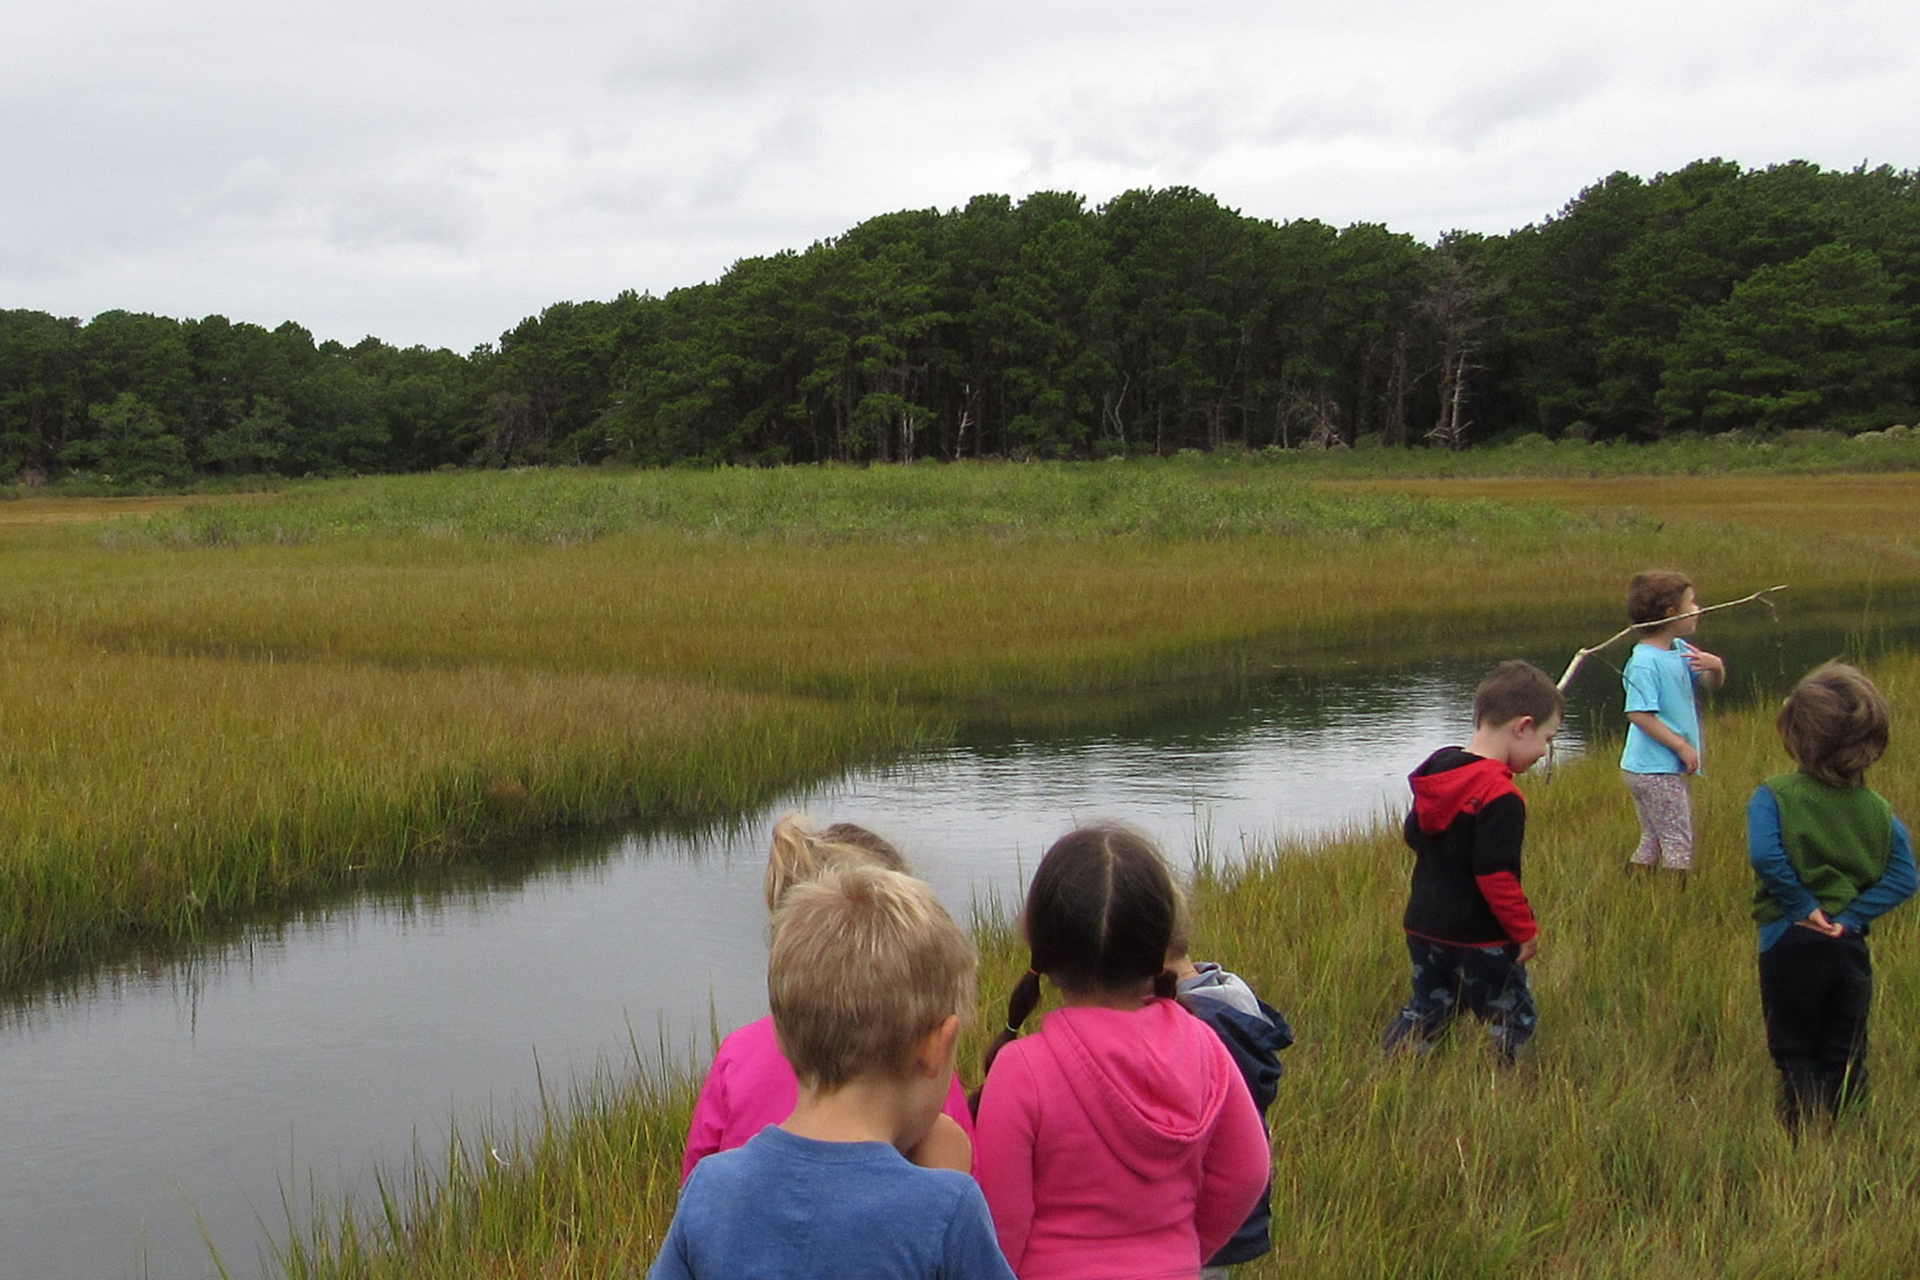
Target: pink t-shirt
(751, 1086)
(1118, 1143)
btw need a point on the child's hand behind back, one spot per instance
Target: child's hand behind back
(1819, 923)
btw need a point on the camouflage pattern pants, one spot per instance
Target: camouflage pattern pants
(1449, 980)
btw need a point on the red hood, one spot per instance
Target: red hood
(1442, 796)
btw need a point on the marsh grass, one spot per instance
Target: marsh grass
(149, 796)
(1636, 1140)
(1878, 505)
(192, 732)
(1727, 454)
(1181, 500)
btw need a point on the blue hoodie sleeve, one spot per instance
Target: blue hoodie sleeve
(1767, 851)
(1890, 890)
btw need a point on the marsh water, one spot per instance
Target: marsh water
(159, 1105)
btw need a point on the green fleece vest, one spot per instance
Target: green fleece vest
(1837, 838)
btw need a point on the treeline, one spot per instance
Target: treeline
(1709, 299)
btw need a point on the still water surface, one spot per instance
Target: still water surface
(159, 1101)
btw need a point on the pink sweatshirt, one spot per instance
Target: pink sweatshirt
(1118, 1143)
(751, 1086)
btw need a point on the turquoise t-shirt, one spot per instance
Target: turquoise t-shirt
(1660, 681)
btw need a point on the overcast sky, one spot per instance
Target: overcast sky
(431, 172)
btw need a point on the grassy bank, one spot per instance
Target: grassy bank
(1637, 1140)
(211, 708)
(151, 797)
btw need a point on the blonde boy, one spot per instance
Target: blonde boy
(867, 979)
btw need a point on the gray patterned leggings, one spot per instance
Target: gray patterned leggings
(1666, 820)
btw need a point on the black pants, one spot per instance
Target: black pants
(1815, 992)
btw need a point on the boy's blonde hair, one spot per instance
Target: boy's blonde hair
(1654, 596)
(800, 854)
(1835, 724)
(865, 963)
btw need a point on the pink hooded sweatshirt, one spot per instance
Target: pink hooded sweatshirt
(750, 1086)
(1118, 1145)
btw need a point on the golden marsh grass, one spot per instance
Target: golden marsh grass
(151, 794)
(195, 726)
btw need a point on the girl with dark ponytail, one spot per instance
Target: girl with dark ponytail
(1120, 1138)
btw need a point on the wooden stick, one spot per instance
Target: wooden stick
(1581, 656)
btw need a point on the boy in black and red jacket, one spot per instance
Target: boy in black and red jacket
(1470, 929)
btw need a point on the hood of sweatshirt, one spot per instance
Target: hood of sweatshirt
(1152, 1080)
(1452, 782)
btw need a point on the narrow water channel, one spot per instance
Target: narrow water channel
(160, 1106)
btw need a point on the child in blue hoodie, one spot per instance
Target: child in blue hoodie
(1255, 1033)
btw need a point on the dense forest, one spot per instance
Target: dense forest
(1710, 299)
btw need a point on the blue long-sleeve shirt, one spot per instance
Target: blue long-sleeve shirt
(1767, 851)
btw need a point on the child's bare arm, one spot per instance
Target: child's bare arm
(944, 1147)
(1656, 728)
(1709, 669)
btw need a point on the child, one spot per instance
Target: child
(1829, 857)
(1255, 1034)
(750, 1084)
(1663, 720)
(1470, 929)
(1120, 1139)
(868, 979)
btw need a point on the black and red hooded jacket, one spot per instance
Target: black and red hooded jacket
(1465, 829)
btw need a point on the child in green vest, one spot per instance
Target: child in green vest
(1829, 857)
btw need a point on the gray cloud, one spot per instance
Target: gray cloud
(790, 140)
(1538, 93)
(1178, 128)
(429, 212)
(256, 189)
(627, 194)
(1364, 111)
(738, 46)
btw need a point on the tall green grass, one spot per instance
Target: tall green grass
(1184, 499)
(1728, 453)
(1637, 1139)
(192, 731)
(150, 797)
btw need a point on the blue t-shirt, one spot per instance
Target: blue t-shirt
(789, 1208)
(1660, 681)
